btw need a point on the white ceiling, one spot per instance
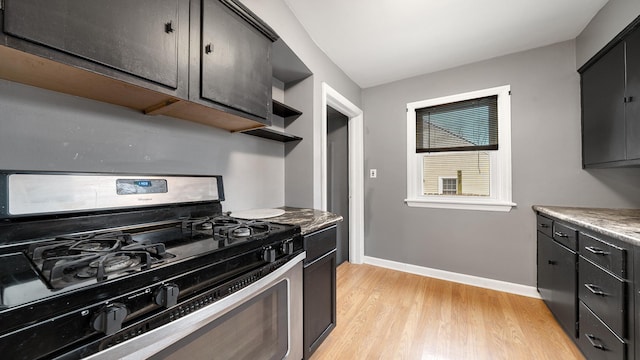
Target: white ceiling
(379, 41)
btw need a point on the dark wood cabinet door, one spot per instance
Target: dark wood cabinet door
(546, 266)
(603, 119)
(236, 65)
(319, 301)
(137, 37)
(557, 280)
(633, 95)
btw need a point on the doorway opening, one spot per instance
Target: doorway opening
(355, 156)
(338, 177)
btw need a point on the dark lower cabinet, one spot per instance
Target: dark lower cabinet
(557, 281)
(319, 276)
(586, 279)
(596, 340)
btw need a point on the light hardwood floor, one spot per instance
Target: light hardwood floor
(387, 314)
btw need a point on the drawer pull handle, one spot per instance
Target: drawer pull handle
(544, 226)
(595, 342)
(551, 262)
(595, 250)
(595, 289)
(560, 234)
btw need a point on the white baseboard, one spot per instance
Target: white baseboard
(518, 289)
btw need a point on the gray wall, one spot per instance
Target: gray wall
(303, 159)
(44, 130)
(609, 21)
(546, 160)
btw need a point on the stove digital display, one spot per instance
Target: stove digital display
(140, 186)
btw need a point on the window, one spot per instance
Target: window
(448, 186)
(459, 151)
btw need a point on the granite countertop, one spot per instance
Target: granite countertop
(309, 220)
(621, 224)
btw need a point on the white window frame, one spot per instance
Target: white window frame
(441, 183)
(500, 187)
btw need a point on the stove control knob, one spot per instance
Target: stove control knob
(269, 254)
(167, 295)
(287, 247)
(109, 319)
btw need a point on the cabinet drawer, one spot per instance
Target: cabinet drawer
(606, 255)
(319, 243)
(596, 341)
(604, 295)
(565, 235)
(545, 225)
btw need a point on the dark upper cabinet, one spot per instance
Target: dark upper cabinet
(140, 38)
(610, 85)
(603, 128)
(633, 95)
(207, 61)
(236, 61)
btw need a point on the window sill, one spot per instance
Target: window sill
(484, 205)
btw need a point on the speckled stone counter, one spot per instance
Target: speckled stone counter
(622, 224)
(309, 220)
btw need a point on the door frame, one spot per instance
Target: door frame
(331, 97)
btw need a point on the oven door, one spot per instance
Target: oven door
(261, 321)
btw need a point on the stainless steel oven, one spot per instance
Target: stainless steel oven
(261, 321)
(105, 266)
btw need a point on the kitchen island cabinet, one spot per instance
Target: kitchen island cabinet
(607, 288)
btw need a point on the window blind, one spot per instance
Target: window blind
(468, 125)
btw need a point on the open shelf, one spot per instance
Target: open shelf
(271, 134)
(283, 110)
(288, 69)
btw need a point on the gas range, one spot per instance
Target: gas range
(92, 270)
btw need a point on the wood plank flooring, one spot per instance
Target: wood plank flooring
(387, 314)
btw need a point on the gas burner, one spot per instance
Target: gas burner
(198, 224)
(242, 231)
(110, 264)
(234, 229)
(226, 220)
(109, 235)
(95, 245)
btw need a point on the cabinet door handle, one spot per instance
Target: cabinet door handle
(595, 342)
(544, 226)
(551, 262)
(595, 289)
(560, 234)
(628, 99)
(595, 250)
(168, 27)
(208, 49)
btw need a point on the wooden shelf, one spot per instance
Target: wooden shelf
(283, 110)
(271, 134)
